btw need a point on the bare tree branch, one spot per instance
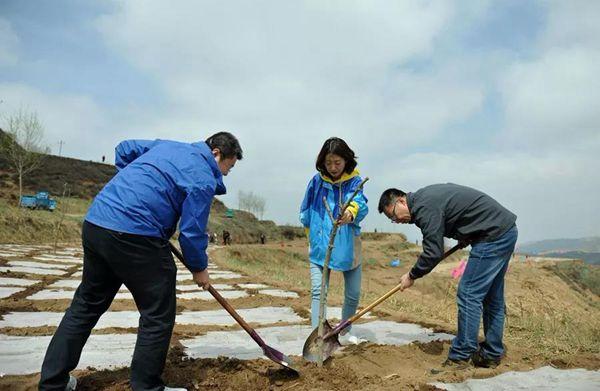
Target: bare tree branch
(251, 202)
(23, 146)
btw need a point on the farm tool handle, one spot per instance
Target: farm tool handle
(325, 276)
(395, 289)
(236, 316)
(349, 201)
(223, 302)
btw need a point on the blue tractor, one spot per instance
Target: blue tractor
(41, 200)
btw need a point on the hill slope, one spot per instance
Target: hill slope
(591, 244)
(586, 249)
(552, 308)
(85, 179)
(589, 258)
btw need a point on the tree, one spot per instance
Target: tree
(22, 147)
(260, 204)
(251, 202)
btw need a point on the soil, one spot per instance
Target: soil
(365, 367)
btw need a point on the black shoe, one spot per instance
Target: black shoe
(484, 362)
(451, 365)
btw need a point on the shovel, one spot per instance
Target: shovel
(331, 343)
(272, 354)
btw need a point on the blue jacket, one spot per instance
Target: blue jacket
(158, 183)
(346, 254)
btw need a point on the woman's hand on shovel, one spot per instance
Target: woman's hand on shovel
(347, 218)
(201, 278)
(406, 282)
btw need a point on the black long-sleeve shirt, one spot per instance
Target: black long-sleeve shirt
(457, 212)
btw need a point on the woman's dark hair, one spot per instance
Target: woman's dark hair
(389, 196)
(336, 146)
(226, 143)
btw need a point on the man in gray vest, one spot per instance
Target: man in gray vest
(470, 217)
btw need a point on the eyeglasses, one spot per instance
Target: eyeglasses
(393, 218)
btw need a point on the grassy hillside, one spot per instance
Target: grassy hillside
(553, 311)
(245, 227)
(593, 258)
(578, 275)
(591, 244)
(85, 179)
(19, 225)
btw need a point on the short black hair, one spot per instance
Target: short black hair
(227, 144)
(389, 196)
(337, 146)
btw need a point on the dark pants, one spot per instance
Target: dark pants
(481, 294)
(145, 265)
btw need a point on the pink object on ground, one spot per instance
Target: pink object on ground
(458, 271)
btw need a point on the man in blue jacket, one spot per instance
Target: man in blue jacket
(125, 240)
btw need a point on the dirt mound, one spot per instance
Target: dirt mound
(435, 347)
(358, 368)
(362, 367)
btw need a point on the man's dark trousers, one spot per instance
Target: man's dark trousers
(481, 292)
(146, 267)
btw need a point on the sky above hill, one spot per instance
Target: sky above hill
(498, 95)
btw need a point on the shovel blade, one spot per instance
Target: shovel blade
(310, 351)
(279, 358)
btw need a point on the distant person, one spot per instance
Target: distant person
(215, 237)
(471, 217)
(226, 238)
(125, 241)
(263, 238)
(103, 158)
(336, 171)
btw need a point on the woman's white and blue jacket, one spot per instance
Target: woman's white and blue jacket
(346, 254)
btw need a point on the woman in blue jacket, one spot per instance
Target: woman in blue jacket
(336, 166)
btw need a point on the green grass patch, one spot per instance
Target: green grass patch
(19, 225)
(578, 275)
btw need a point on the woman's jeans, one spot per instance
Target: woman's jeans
(351, 292)
(481, 292)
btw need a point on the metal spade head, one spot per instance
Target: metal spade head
(278, 357)
(310, 351)
(269, 352)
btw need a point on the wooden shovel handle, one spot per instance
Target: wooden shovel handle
(396, 289)
(229, 308)
(222, 301)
